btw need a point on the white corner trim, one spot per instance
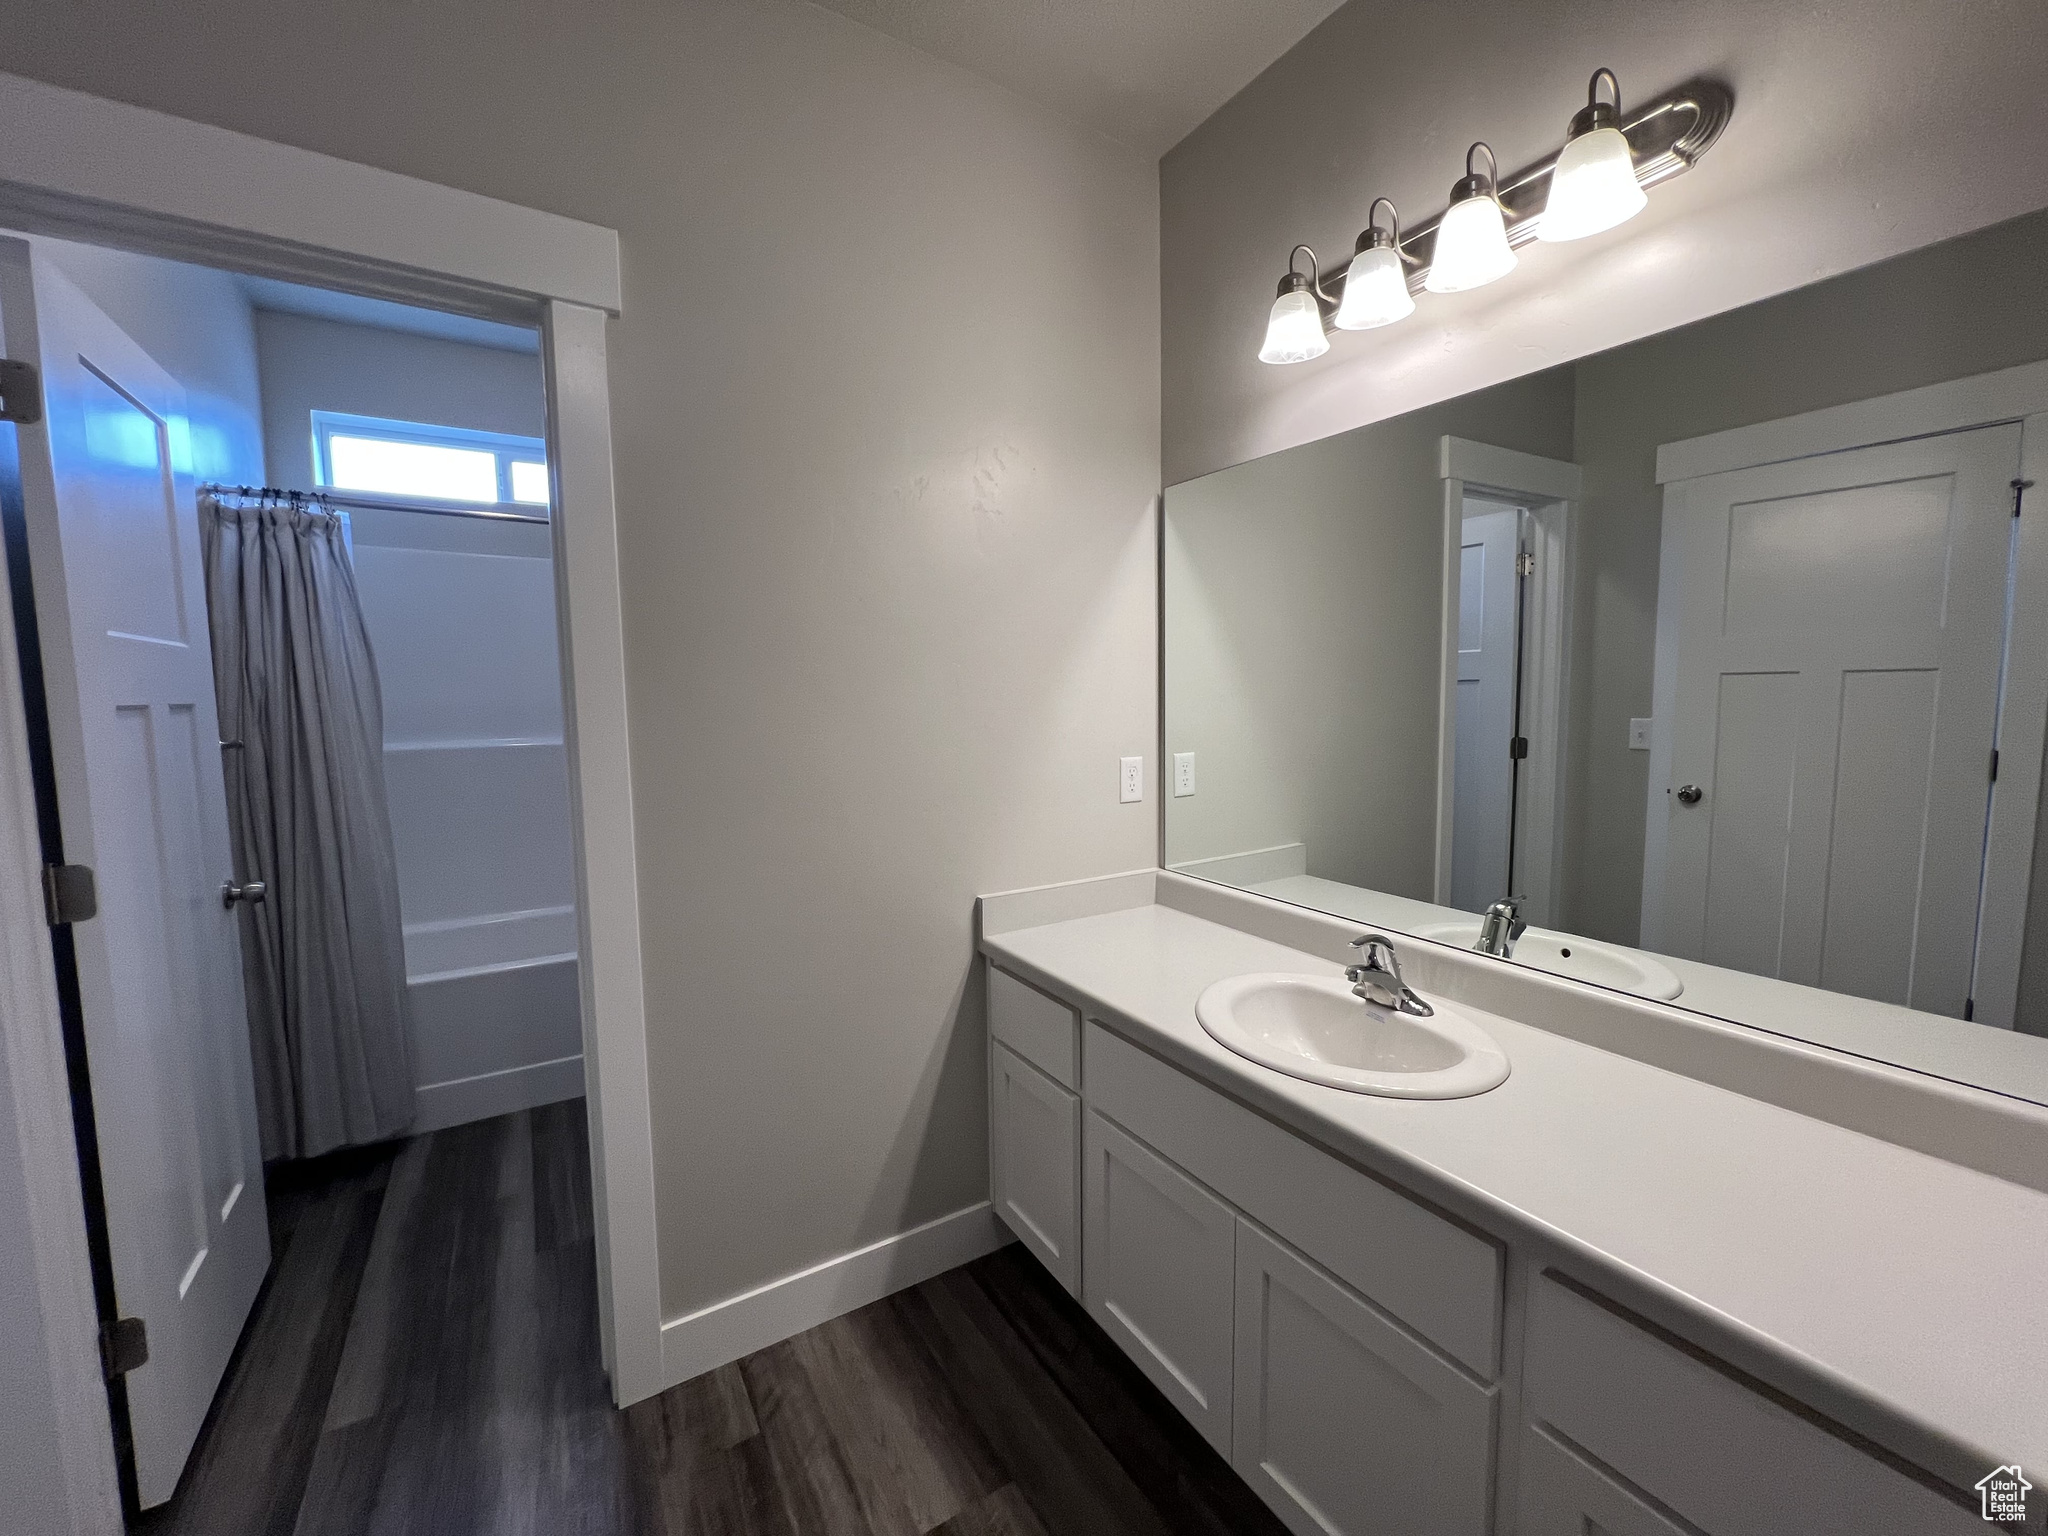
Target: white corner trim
(2009, 394)
(460, 1100)
(1481, 466)
(727, 1330)
(59, 147)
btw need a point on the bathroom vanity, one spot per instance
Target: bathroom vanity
(1669, 1276)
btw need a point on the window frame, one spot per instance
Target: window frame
(505, 449)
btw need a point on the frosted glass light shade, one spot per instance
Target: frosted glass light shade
(1294, 333)
(1375, 291)
(1471, 247)
(1592, 188)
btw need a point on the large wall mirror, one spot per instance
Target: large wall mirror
(1713, 668)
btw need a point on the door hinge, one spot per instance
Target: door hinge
(21, 392)
(1969, 1010)
(1994, 765)
(1518, 748)
(2019, 494)
(124, 1345)
(1525, 564)
(70, 894)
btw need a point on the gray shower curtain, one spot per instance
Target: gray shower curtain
(323, 956)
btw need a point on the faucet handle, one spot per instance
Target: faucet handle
(1377, 977)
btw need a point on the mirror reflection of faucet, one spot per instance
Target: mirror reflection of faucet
(1502, 927)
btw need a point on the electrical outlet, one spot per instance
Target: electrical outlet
(1183, 775)
(1639, 735)
(1131, 778)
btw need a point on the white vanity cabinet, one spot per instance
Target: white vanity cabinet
(1346, 1346)
(1161, 1272)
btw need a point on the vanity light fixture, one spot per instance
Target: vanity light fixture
(1595, 181)
(1593, 185)
(1376, 283)
(1472, 241)
(1295, 331)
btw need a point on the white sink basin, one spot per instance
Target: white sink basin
(1315, 1028)
(1562, 954)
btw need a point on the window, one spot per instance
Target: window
(412, 460)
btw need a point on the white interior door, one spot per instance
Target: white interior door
(1839, 630)
(1482, 807)
(121, 609)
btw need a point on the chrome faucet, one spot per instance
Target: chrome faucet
(1502, 926)
(1377, 977)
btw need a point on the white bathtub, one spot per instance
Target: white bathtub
(495, 1018)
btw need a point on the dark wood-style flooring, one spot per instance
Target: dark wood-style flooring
(424, 1360)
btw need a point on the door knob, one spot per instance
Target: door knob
(252, 892)
(1689, 794)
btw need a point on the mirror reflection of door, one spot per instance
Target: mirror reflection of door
(1489, 650)
(1839, 640)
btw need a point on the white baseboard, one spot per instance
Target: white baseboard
(727, 1330)
(436, 1106)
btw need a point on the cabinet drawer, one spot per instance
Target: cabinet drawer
(1160, 1273)
(1345, 1425)
(1041, 1029)
(1035, 1162)
(1563, 1494)
(1679, 1429)
(1438, 1278)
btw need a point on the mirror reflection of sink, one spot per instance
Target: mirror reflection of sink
(1564, 954)
(1315, 1028)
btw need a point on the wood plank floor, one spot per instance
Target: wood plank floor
(425, 1360)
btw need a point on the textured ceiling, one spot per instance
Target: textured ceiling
(1144, 72)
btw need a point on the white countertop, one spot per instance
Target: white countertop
(1904, 1296)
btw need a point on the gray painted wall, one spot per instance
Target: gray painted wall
(886, 533)
(1860, 131)
(309, 364)
(1304, 617)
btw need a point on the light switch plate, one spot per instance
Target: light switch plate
(1639, 735)
(1183, 775)
(1131, 780)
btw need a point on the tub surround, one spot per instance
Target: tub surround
(1866, 1241)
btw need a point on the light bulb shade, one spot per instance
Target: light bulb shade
(1471, 246)
(1294, 333)
(1592, 187)
(1375, 290)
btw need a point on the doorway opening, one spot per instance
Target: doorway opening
(295, 702)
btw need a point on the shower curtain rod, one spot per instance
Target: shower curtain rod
(366, 503)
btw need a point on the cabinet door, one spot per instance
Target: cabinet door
(1562, 1494)
(1160, 1272)
(1347, 1425)
(1034, 1161)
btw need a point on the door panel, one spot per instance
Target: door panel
(113, 540)
(1839, 632)
(1035, 1161)
(1158, 1272)
(1346, 1425)
(1483, 773)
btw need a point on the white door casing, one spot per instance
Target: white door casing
(114, 552)
(1489, 649)
(1546, 490)
(1831, 651)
